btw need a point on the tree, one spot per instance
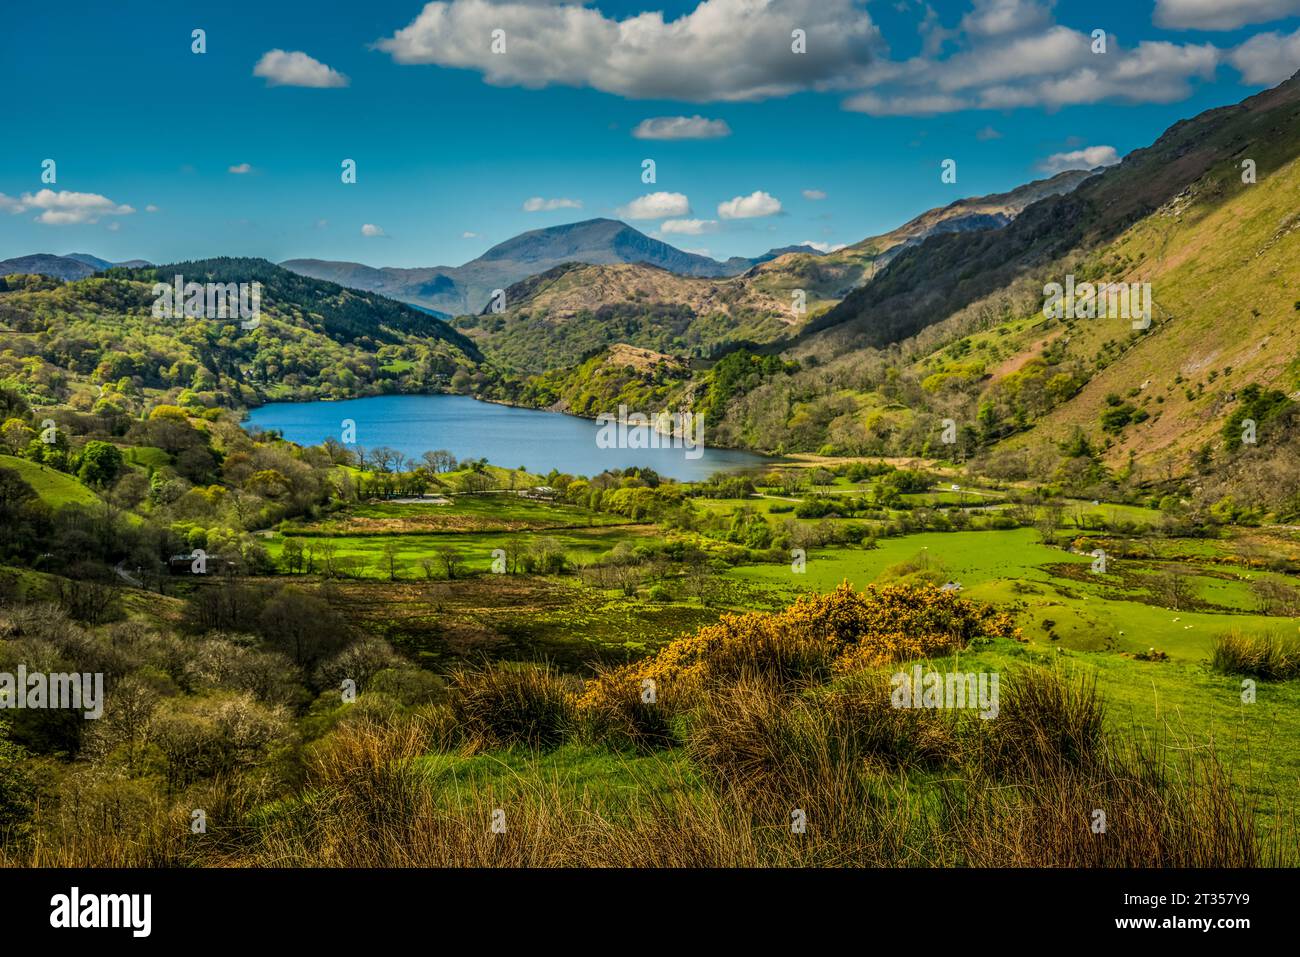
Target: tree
(626, 577)
(1051, 516)
(701, 582)
(451, 561)
(390, 562)
(385, 459)
(17, 788)
(822, 478)
(293, 555)
(204, 737)
(475, 481)
(301, 625)
(16, 435)
(125, 723)
(89, 594)
(328, 552)
(440, 460)
(1175, 588)
(101, 462)
(24, 518)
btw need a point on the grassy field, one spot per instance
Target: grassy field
(1100, 624)
(147, 457)
(1183, 706)
(516, 617)
(54, 488)
(460, 513)
(1058, 598)
(474, 548)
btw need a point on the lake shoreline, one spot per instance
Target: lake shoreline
(773, 457)
(502, 432)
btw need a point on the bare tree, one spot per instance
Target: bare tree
(478, 481)
(440, 460)
(385, 459)
(451, 560)
(329, 559)
(1051, 516)
(1175, 588)
(390, 562)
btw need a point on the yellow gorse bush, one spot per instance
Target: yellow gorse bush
(845, 629)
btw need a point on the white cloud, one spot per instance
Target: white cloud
(995, 18)
(371, 230)
(113, 227)
(656, 206)
(1221, 14)
(239, 169)
(1051, 68)
(539, 205)
(1267, 59)
(689, 227)
(905, 104)
(757, 203)
(681, 128)
(813, 194)
(1089, 157)
(65, 208)
(987, 133)
(745, 45)
(151, 208)
(280, 68)
(468, 235)
(822, 247)
(1003, 54)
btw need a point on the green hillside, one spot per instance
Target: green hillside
(959, 333)
(55, 488)
(97, 339)
(558, 318)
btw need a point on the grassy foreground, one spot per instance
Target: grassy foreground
(762, 740)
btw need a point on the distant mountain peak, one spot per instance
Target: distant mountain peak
(68, 267)
(467, 288)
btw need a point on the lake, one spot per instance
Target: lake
(470, 429)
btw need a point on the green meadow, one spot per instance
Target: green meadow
(55, 488)
(1057, 597)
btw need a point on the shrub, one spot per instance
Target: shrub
(623, 718)
(17, 788)
(816, 636)
(1270, 657)
(501, 705)
(1045, 721)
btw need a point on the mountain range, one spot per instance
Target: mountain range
(446, 291)
(459, 290)
(455, 290)
(70, 266)
(556, 318)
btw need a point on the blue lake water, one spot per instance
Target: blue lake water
(470, 429)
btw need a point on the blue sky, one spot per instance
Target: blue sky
(451, 140)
